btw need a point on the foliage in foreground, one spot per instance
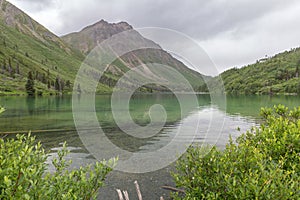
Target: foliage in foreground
(263, 164)
(23, 173)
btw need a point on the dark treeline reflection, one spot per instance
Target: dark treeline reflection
(55, 112)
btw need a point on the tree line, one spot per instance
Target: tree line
(59, 84)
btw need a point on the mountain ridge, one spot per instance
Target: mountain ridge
(28, 47)
(91, 36)
(15, 17)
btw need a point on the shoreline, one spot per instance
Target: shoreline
(22, 94)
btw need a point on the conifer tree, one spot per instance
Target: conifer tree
(30, 85)
(57, 85)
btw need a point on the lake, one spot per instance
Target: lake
(51, 121)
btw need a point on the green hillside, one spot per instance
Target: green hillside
(274, 75)
(26, 46)
(20, 54)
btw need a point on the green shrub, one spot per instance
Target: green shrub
(262, 164)
(23, 173)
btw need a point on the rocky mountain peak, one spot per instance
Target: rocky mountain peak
(106, 29)
(90, 36)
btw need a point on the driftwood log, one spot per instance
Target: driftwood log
(138, 191)
(172, 189)
(123, 195)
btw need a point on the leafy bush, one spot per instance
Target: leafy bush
(262, 164)
(23, 173)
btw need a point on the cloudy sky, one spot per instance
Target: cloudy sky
(233, 32)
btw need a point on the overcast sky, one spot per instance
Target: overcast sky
(233, 32)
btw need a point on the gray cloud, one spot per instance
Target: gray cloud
(199, 18)
(34, 5)
(233, 32)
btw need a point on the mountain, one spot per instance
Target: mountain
(26, 46)
(28, 49)
(269, 75)
(89, 37)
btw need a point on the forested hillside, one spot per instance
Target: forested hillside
(27, 49)
(270, 75)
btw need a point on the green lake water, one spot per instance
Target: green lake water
(53, 117)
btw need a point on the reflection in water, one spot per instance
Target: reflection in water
(30, 102)
(249, 106)
(58, 102)
(48, 113)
